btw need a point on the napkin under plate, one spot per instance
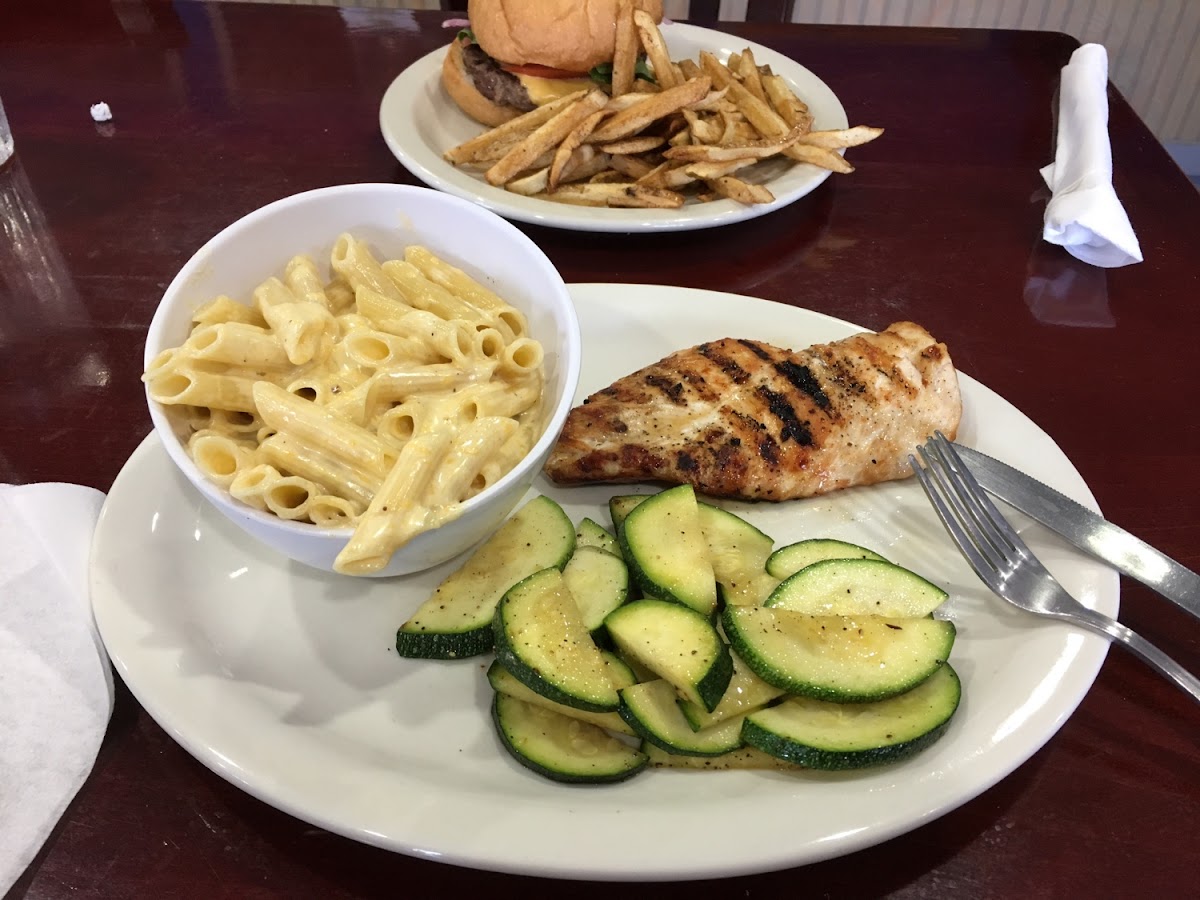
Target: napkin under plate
(56, 690)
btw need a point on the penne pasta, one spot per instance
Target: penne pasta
(377, 400)
(304, 281)
(224, 309)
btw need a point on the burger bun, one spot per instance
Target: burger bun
(573, 35)
(461, 88)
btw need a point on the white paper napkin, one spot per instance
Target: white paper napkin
(1084, 214)
(56, 691)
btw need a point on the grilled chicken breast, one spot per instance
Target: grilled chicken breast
(744, 419)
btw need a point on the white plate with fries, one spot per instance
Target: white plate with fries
(421, 123)
(284, 680)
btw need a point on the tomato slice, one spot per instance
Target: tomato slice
(541, 71)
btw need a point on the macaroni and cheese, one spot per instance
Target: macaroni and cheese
(380, 398)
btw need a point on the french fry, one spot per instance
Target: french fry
(747, 68)
(622, 103)
(711, 101)
(757, 112)
(645, 145)
(584, 163)
(656, 49)
(655, 106)
(632, 195)
(626, 50)
(631, 167)
(819, 156)
(533, 183)
(741, 191)
(846, 137)
(608, 176)
(523, 125)
(634, 145)
(681, 137)
(784, 101)
(706, 171)
(544, 138)
(668, 176)
(712, 153)
(704, 131)
(565, 150)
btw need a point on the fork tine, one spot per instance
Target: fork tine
(931, 483)
(1000, 533)
(969, 519)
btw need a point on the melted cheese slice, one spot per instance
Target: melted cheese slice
(543, 90)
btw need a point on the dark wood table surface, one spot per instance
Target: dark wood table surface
(219, 109)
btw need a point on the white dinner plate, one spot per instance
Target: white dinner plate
(420, 122)
(284, 680)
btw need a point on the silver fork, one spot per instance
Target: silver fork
(1001, 559)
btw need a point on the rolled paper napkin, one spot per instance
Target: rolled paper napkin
(56, 689)
(1084, 214)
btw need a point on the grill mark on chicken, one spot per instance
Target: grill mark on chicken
(672, 390)
(792, 429)
(742, 418)
(728, 366)
(801, 377)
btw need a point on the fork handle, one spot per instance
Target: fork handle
(1142, 648)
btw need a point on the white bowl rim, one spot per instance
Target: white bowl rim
(571, 349)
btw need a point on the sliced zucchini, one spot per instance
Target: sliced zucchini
(746, 693)
(590, 533)
(676, 643)
(621, 506)
(742, 758)
(664, 544)
(791, 559)
(824, 735)
(560, 747)
(456, 621)
(840, 658)
(857, 587)
(504, 682)
(542, 641)
(652, 710)
(738, 553)
(619, 671)
(599, 582)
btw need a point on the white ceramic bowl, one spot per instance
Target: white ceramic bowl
(388, 217)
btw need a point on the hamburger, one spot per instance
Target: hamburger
(518, 55)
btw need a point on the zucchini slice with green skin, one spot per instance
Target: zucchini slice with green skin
(599, 582)
(743, 758)
(651, 708)
(791, 559)
(504, 682)
(676, 643)
(620, 506)
(560, 747)
(823, 735)
(590, 533)
(746, 693)
(845, 659)
(456, 621)
(857, 587)
(738, 553)
(542, 641)
(664, 544)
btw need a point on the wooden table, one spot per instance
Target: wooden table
(219, 109)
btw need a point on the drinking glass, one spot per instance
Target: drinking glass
(6, 138)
